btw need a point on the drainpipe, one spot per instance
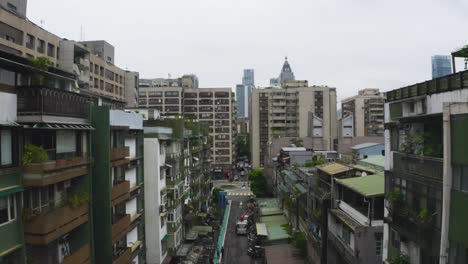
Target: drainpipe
(447, 186)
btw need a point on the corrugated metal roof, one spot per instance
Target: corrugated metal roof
(365, 145)
(367, 186)
(377, 160)
(333, 168)
(261, 229)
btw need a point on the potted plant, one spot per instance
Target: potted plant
(35, 159)
(78, 199)
(61, 163)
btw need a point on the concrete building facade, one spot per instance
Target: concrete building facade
(426, 157)
(214, 107)
(362, 119)
(294, 111)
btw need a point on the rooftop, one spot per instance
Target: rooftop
(367, 186)
(288, 149)
(333, 168)
(377, 160)
(283, 253)
(365, 145)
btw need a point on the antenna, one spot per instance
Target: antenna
(42, 22)
(82, 38)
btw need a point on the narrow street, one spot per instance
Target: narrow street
(235, 247)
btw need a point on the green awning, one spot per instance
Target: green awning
(12, 190)
(166, 237)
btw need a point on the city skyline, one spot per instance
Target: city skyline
(216, 56)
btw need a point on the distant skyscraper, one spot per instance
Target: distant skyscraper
(249, 78)
(243, 93)
(441, 66)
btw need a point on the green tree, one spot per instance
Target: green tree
(258, 183)
(242, 146)
(316, 160)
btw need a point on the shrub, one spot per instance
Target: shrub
(34, 154)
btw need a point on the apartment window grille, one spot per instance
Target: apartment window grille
(30, 41)
(40, 45)
(7, 209)
(460, 177)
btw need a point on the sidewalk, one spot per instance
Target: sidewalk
(222, 234)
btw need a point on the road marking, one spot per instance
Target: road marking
(239, 193)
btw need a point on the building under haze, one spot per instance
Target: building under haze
(243, 93)
(441, 66)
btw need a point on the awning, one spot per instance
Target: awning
(166, 237)
(170, 166)
(58, 126)
(195, 158)
(12, 190)
(261, 229)
(9, 124)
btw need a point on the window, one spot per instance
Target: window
(7, 209)
(6, 147)
(378, 244)
(460, 177)
(346, 235)
(395, 239)
(50, 50)
(40, 45)
(170, 217)
(171, 94)
(30, 41)
(12, 7)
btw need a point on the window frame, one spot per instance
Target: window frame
(10, 199)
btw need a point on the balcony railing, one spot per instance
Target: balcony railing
(45, 228)
(124, 257)
(119, 228)
(38, 100)
(120, 192)
(43, 174)
(418, 165)
(82, 255)
(120, 153)
(447, 83)
(344, 250)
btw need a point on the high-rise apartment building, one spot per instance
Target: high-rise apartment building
(425, 171)
(441, 66)
(214, 107)
(296, 110)
(91, 62)
(117, 192)
(362, 119)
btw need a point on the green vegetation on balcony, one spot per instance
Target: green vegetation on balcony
(298, 239)
(34, 154)
(421, 144)
(258, 182)
(399, 259)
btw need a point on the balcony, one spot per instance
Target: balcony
(429, 167)
(120, 153)
(120, 227)
(344, 250)
(120, 192)
(43, 174)
(124, 257)
(80, 256)
(45, 228)
(38, 101)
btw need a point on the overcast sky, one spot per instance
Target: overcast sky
(348, 44)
